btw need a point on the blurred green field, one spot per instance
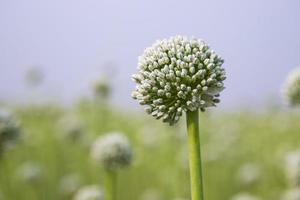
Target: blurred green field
(242, 152)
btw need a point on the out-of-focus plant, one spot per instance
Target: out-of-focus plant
(244, 196)
(30, 173)
(113, 151)
(9, 130)
(292, 194)
(70, 128)
(181, 75)
(292, 168)
(34, 77)
(102, 90)
(249, 174)
(291, 88)
(69, 184)
(90, 192)
(152, 194)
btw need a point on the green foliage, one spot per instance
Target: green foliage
(160, 167)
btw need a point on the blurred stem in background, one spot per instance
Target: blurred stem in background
(192, 119)
(111, 185)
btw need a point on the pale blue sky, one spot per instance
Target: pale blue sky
(71, 40)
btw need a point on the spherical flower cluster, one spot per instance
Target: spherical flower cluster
(113, 151)
(9, 129)
(176, 75)
(291, 89)
(91, 192)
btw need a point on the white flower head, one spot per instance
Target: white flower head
(91, 192)
(113, 151)
(291, 88)
(176, 75)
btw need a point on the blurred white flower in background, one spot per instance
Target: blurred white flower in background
(90, 192)
(112, 150)
(34, 76)
(244, 196)
(9, 130)
(152, 194)
(30, 172)
(249, 174)
(292, 167)
(102, 89)
(291, 88)
(71, 128)
(69, 184)
(292, 194)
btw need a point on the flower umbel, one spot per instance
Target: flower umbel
(113, 151)
(291, 90)
(176, 75)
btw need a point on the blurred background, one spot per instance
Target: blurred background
(65, 79)
(75, 42)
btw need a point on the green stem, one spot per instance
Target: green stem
(111, 185)
(192, 120)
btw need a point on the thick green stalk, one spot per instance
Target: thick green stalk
(111, 185)
(192, 120)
